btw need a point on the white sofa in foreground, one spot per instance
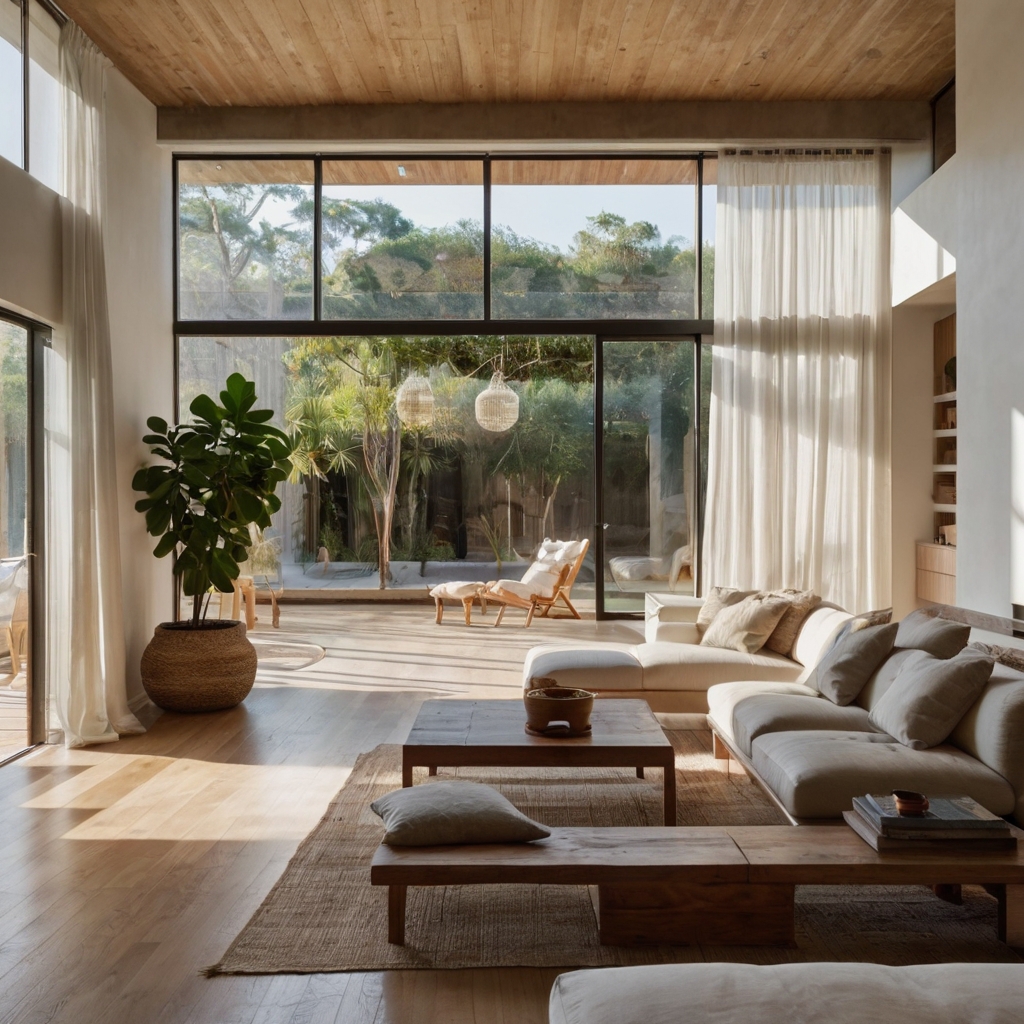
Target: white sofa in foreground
(671, 670)
(811, 993)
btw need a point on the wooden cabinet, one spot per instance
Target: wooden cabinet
(936, 573)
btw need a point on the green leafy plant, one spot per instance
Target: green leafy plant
(224, 467)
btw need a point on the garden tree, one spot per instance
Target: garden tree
(371, 219)
(225, 240)
(13, 434)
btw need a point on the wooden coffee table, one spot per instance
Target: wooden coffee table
(492, 733)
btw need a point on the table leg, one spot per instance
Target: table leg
(1011, 915)
(670, 793)
(432, 770)
(640, 772)
(406, 773)
(396, 914)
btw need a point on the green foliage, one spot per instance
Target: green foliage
(221, 473)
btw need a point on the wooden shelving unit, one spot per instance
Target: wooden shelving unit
(936, 558)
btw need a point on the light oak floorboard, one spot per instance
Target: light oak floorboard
(127, 868)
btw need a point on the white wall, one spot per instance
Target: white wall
(30, 247)
(137, 244)
(990, 301)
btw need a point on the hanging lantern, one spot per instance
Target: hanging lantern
(497, 406)
(415, 401)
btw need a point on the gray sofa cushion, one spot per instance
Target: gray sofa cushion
(724, 698)
(882, 678)
(809, 993)
(817, 774)
(930, 696)
(755, 716)
(853, 659)
(993, 729)
(941, 638)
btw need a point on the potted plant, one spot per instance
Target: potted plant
(219, 475)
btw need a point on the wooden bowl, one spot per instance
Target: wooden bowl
(558, 711)
(910, 804)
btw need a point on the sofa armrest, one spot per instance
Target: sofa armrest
(662, 610)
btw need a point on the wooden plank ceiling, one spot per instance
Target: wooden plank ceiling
(287, 52)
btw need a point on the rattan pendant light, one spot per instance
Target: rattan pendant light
(497, 406)
(415, 401)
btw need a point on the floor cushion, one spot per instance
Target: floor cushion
(817, 774)
(457, 590)
(812, 993)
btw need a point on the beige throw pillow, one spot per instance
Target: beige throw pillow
(719, 598)
(747, 625)
(801, 604)
(450, 813)
(929, 697)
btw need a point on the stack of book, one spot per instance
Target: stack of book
(950, 823)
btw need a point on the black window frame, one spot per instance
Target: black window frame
(697, 330)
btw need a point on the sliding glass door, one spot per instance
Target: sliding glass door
(16, 568)
(648, 459)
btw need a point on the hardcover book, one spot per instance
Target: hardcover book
(945, 813)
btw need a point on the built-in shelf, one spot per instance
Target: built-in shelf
(944, 508)
(944, 469)
(950, 396)
(945, 433)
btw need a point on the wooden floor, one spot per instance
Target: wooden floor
(125, 869)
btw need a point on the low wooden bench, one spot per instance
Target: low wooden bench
(732, 885)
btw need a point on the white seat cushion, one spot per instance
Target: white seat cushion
(456, 590)
(723, 699)
(670, 666)
(811, 993)
(817, 774)
(540, 584)
(608, 667)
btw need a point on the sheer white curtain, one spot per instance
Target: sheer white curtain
(798, 473)
(86, 628)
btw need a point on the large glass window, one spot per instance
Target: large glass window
(12, 94)
(245, 239)
(44, 147)
(471, 502)
(403, 239)
(593, 239)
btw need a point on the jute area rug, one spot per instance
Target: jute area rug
(323, 915)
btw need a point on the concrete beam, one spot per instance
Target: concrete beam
(613, 125)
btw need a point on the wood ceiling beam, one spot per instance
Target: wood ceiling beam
(603, 123)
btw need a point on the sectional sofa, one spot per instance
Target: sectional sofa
(810, 755)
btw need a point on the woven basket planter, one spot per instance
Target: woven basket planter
(195, 670)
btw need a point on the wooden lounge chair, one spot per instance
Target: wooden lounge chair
(553, 582)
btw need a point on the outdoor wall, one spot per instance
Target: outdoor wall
(30, 250)
(990, 304)
(137, 246)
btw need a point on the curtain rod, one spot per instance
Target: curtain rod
(54, 12)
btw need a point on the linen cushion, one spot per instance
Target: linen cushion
(608, 667)
(878, 617)
(939, 637)
(882, 678)
(993, 729)
(449, 813)
(746, 626)
(817, 774)
(719, 598)
(541, 583)
(807, 993)
(843, 671)
(456, 590)
(670, 666)
(817, 633)
(765, 713)
(800, 604)
(930, 696)
(724, 698)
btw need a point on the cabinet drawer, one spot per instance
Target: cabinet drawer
(936, 586)
(937, 558)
